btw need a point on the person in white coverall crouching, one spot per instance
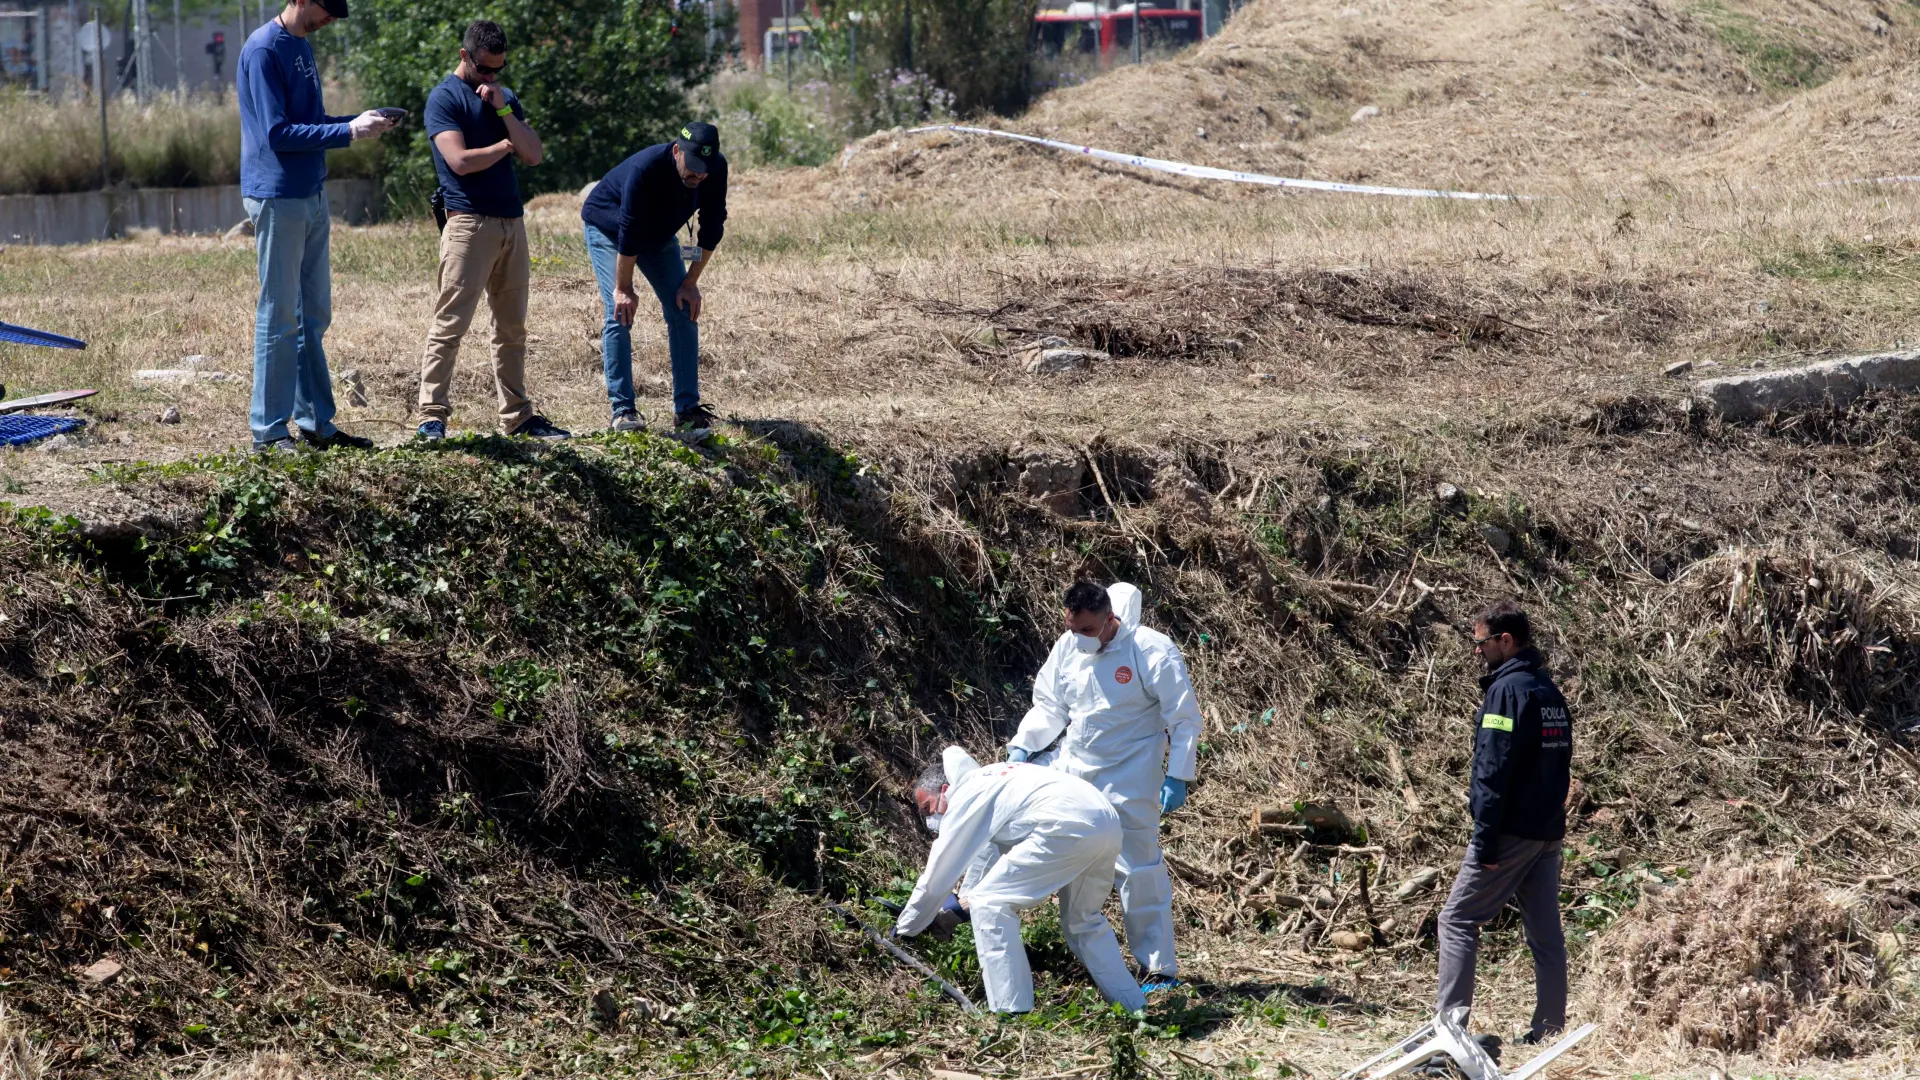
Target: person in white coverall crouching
(1052, 833)
(1121, 694)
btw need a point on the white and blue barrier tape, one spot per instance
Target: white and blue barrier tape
(1208, 172)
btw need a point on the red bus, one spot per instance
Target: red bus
(1078, 30)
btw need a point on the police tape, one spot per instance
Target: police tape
(1208, 172)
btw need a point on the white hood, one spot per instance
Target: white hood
(959, 765)
(1125, 600)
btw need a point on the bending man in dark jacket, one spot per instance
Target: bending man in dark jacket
(632, 220)
(1522, 762)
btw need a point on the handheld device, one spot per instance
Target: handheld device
(394, 114)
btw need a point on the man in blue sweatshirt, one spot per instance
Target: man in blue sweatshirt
(632, 220)
(285, 134)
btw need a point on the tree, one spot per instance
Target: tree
(600, 79)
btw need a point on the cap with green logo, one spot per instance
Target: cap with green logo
(699, 144)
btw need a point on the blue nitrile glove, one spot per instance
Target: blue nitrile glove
(953, 905)
(1173, 794)
(1014, 753)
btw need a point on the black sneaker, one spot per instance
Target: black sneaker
(339, 440)
(695, 421)
(282, 445)
(431, 431)
(628, 421)
(539, 427)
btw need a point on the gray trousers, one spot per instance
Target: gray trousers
(1529, 870)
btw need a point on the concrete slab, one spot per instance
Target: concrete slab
(1842, 381)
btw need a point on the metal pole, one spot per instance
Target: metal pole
(43, 84)
(179, 58)
(142, 53)
(1136, 31)
(73, 30)
(100, 91)
(786, 41)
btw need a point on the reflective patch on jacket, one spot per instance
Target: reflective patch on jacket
(1497, 722)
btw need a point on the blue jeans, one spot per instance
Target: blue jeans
(664, 271)
(290, 378)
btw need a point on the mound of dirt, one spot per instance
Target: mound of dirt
(1859, 126)
(1745, 958)
(1488, 95)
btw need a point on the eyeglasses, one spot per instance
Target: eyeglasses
(1479, 641)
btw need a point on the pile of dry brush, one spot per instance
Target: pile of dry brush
(1749, 957)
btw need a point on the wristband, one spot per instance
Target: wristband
(508, 111)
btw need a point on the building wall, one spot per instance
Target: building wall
(755, 17)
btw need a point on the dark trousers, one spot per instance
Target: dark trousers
(1529, 870)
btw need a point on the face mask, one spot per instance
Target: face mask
(933, 823)
(1085, 644)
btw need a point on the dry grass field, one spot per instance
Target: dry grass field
(1328, 428)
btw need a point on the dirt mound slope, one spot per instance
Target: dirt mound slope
(1491, 95)
(1747, 957)
(1861, 125)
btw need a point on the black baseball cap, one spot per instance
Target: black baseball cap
(335, 8)
(699, 143)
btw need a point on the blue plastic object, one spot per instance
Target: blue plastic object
(21, 335)
(20, 429)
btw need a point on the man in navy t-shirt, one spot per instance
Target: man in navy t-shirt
(477, 128)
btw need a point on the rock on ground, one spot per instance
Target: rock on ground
(1842, 381)
(1054, 481)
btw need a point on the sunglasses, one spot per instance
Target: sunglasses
(1479, 641)
(482, 68)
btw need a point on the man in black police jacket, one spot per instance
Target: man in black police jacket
(1522, 759)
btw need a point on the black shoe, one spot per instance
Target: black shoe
(339, 440)
(431, 431)
(539, 427)
(697, 420)
(628, 421)
(282, 445)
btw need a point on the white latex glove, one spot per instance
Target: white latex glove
(368, 124)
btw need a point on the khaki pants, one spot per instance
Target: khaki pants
(480, 253)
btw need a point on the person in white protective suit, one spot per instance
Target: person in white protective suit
(1121, 694)
(1053, 833)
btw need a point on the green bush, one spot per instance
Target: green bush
(761, 124)
(600, 78)
(975, 50)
